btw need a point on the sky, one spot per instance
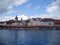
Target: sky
(29, 9)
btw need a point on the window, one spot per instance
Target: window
(49, 23)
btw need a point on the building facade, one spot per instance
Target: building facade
(32, 22)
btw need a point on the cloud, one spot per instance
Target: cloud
(37, 7)
(54, 9)
(28, 6)
(6, 18)
(7, 5)
(42, 16)
(19, 2)
(23, 16)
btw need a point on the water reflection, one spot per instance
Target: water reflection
(29, 37)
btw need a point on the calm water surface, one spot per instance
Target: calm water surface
(29, 37)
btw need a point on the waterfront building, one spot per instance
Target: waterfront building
(40, 21)
(57, 22)
(35, 21)
(3, 23)
(47, 22)
(16, 21)
(32, 22)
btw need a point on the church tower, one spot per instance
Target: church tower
(16, 18)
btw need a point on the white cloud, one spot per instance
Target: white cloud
(19, 2)
(23, 16)
(54, 6)
(54, 3)
(54, 9)
(42, 16)
(6, 5)
(4, 18)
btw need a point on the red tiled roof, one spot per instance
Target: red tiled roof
(10, 21)
(57, 22)
(47, 19)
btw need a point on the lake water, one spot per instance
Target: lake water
(29, 37)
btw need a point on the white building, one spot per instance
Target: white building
(35, 21)
(47, 22)
(43, 22)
